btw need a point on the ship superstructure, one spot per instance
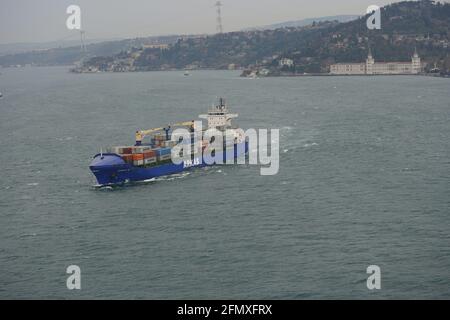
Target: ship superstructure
(218, 117)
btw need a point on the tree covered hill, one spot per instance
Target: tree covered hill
(405, 25)
(71, 54)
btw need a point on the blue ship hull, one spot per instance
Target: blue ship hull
(110, 169)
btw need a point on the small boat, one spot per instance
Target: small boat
(186, 73)
(1, 95)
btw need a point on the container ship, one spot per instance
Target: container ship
(151, 155)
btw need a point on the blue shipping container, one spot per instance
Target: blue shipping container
(163, 151)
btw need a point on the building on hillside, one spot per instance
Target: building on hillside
(373, 68)
(155, 46)
(285, 62)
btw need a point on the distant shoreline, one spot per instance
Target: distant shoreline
(433, 75)
(354, 75)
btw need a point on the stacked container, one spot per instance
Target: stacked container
(144, 155)
(138, 159)
(158, 140)
(128, 158)
(121, 150)
(140, 149)
(126, 150)
(156, 143)
(168, 144)
(163, 154)
(149, 157)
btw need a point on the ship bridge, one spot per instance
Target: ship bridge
(218, 117)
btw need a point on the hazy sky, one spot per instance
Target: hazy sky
(44, 20)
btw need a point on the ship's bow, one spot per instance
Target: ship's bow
(110, 169)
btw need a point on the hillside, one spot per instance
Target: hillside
(405, 25)
(71, 54)
(424, 25)
(305, 22)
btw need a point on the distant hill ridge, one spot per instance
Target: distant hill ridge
(305, 22)
(68, 52)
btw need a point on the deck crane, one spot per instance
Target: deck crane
(141, 134)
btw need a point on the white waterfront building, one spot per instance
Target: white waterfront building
(373, 68)
(286, 62)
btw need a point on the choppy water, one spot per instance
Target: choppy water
(364, 179)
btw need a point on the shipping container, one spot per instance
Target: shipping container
(120, 150)
(168, 144)
(149, 160)
(164, 157)
(163, 151)
(159, 137)
(127, 158)
(126, 150)
(138, 162)
(156, 143)
(138, 156)
(140, 149)
(149, 154)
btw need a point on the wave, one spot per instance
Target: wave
(307, 145)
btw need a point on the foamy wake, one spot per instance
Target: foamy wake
(172, 177)
(307, 145)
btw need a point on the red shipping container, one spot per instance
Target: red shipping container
(138, 156)
(149, 154)
(127, 157)
(127, 150)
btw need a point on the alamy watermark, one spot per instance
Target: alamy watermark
(374, 20)
(74, 280)
(214, 146)
(374, 280)
(73, 22)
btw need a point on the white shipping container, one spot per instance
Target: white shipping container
(125, 150)
(138, 162)
(164, 157)
(140, 149)
(118, 150)
(150, 160)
